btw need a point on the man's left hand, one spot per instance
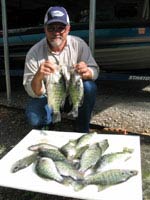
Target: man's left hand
(83, 70)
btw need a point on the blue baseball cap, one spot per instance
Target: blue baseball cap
(56, 14)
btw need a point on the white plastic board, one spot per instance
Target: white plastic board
(27, 179)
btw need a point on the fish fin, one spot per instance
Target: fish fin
(127, 158)
(67, 181)
(102, 187)
(37, 147)
(77, 185)
(82, 99)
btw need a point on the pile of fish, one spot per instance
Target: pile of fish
(79, 163)
(65, 81)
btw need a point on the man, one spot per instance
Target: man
(58, 48)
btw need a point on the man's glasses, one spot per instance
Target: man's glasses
(56, 28)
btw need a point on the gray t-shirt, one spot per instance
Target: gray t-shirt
(75, 51)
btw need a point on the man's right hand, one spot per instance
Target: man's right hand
(45, 69)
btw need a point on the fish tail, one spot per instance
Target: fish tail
(56, 117)
(78, 185)
(74, 112)
(128, 150)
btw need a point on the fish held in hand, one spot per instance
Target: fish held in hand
(56, 94)
(76, 93)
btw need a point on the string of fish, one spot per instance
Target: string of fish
(65, 81)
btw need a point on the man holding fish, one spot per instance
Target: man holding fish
(60, 75)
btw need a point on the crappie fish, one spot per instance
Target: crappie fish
(56, 94)
(110, 158)
(48, 150)
(76, 93)
(54, 154)
(69, 149)
(69, 72)
(85, 139)
(92, 154)
(110, 177)
(68, 170)
(46, 168)
(80, 151)
(74, 148)
(37, 147)
(90, 157)
(24, 162)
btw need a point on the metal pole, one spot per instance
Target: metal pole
(92, 25)
(6, 52)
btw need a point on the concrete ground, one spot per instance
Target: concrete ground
(121, 106)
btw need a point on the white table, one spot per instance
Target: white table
(27, 179)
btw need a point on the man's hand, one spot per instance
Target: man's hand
(83, 70)
(45, 69)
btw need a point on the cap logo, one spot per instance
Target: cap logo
(57, 13)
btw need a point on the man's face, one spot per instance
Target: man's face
(56, 33)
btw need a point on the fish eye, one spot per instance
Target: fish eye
(123, 173)
(132, 172)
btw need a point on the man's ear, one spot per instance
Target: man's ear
(68, 28)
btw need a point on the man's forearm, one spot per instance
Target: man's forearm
(37, 86)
